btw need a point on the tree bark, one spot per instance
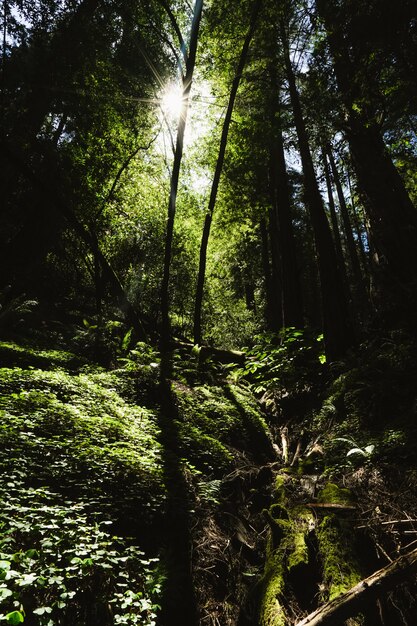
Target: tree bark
(370, 589)
(269, 292)
(334, 221)
(217, 173)
(276, 271)
(336, 327)
(351, 246)
(359, 229)
(172, 204)
(292, 304)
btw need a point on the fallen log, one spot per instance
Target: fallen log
(219, 355)
(351, 602)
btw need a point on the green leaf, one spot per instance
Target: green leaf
(127, 339)
(28, 579)
(15, 617)
(42, 610)
(356, 451)
(31, 554)
(5, 565)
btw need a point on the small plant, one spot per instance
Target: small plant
(366, 451)
(281, 364)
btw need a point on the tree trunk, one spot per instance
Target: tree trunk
(187, 82)
(359, 229)
(336, 328)
(276, 273)
(334, 221)
(292, 305)
(392, 216)
(216, 179)
(353, 252)
(269, 296)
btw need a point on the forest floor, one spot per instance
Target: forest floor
(136, 494)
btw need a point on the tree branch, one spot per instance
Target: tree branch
(122, 168)
(350, 603)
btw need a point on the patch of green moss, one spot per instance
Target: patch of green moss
(13, 354)
(203, 451)
(333, 494)
(341, 569)
(301, 521)
(279, 489)
(224, 415)
(271, 587)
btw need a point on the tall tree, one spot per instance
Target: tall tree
(336, 324)
(187, 83)
(217, 173)
(292, 306)
(392, 217)
(351, 245)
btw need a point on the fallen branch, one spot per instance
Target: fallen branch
(350, 603)
(330, 505)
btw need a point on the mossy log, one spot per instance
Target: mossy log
(219, 355)
(341, 569)
(357, 598)
(287, 552)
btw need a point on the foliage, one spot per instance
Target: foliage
(214, 421)
(77, 433)
(60, 565)
(283, 364)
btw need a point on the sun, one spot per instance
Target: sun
(172, 101)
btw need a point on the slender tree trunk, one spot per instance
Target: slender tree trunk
(218, 171)
(336, 327)
(359, 229)
(334, 221)
(292, 305)
(276, 274)
(190, 64)
(269, 296)
(353, 252)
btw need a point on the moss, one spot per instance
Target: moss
(221, 418)
(333, 494)
(272, 584)
(13, 354)
(279, 489)
(302, 520)
(341, 569)
(204, 451)
(287, 552)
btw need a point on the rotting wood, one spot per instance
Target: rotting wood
(350, 603)
(284, 444)
(330, 505)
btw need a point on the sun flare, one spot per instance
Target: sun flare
(172, 101)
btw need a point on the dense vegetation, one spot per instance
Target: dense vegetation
(208, 298)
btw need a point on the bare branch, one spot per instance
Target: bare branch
(353, 601)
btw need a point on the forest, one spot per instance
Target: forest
(208, 313)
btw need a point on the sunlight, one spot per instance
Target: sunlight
(172, 101)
